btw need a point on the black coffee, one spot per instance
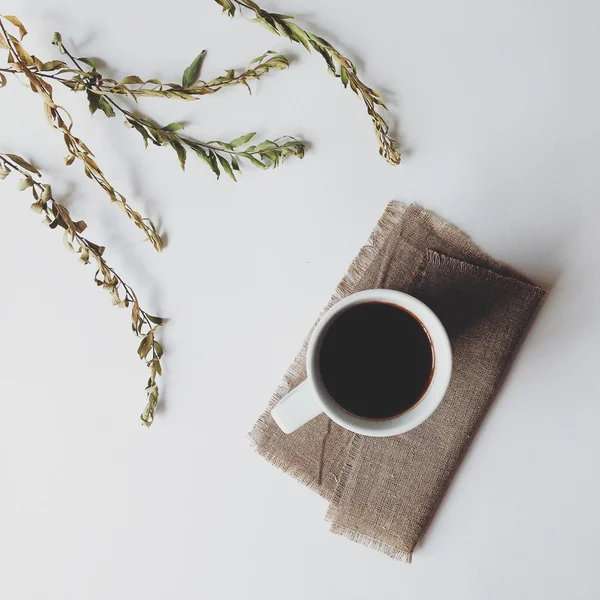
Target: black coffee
(375, 360)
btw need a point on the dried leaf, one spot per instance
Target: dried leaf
(80, 226)
(53, 65)
(145, 345)
(38, 207)
(23, 163)
(228, 6)
(131, 79)
(282, 25)
(17, 24)
(25, 57)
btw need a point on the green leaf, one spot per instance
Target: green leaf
(273, 157)
(210, 159)
(268, 26)
(344, 75)
(299, 35)
(159, 351)
(173, 127)
(88, 61)
(141, 129)
(235, 165)
(24, 164)
(181, 151)
(253, 160)
(266, 145)
(260, 58)
(105, 106)
(316, 44)
(93, 100)
(145, 345)
(155, 320)
(190, 75)
(243, 139)
(226, 166)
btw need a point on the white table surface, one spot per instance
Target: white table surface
(498, 107)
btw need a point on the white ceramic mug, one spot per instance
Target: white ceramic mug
(310, 398)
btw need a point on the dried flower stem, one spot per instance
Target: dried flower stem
(337, 63)
(61, 120)
(56, 215)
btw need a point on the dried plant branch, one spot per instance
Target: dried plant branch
(56, 215)
(337, 63)
(30, 66)
(216, 154)
(191, 88)
(135, 87)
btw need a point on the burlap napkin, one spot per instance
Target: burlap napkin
(383, 491)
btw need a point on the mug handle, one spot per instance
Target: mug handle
(296, 408)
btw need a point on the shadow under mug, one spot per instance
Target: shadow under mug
(310, 398)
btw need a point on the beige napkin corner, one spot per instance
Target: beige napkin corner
(384, 491)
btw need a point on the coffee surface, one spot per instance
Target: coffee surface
(375, 360)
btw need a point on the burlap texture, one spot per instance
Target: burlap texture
(384, 491)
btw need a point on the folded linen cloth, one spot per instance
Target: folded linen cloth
(382, 492)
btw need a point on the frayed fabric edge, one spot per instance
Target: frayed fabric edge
(360, 538)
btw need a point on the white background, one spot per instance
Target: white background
(497, 106)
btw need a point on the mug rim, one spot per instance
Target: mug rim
(429, 401)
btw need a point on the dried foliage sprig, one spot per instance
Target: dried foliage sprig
(217, 155)
(22, 62)
(191, 88)
(56, 215)
(337, 63)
